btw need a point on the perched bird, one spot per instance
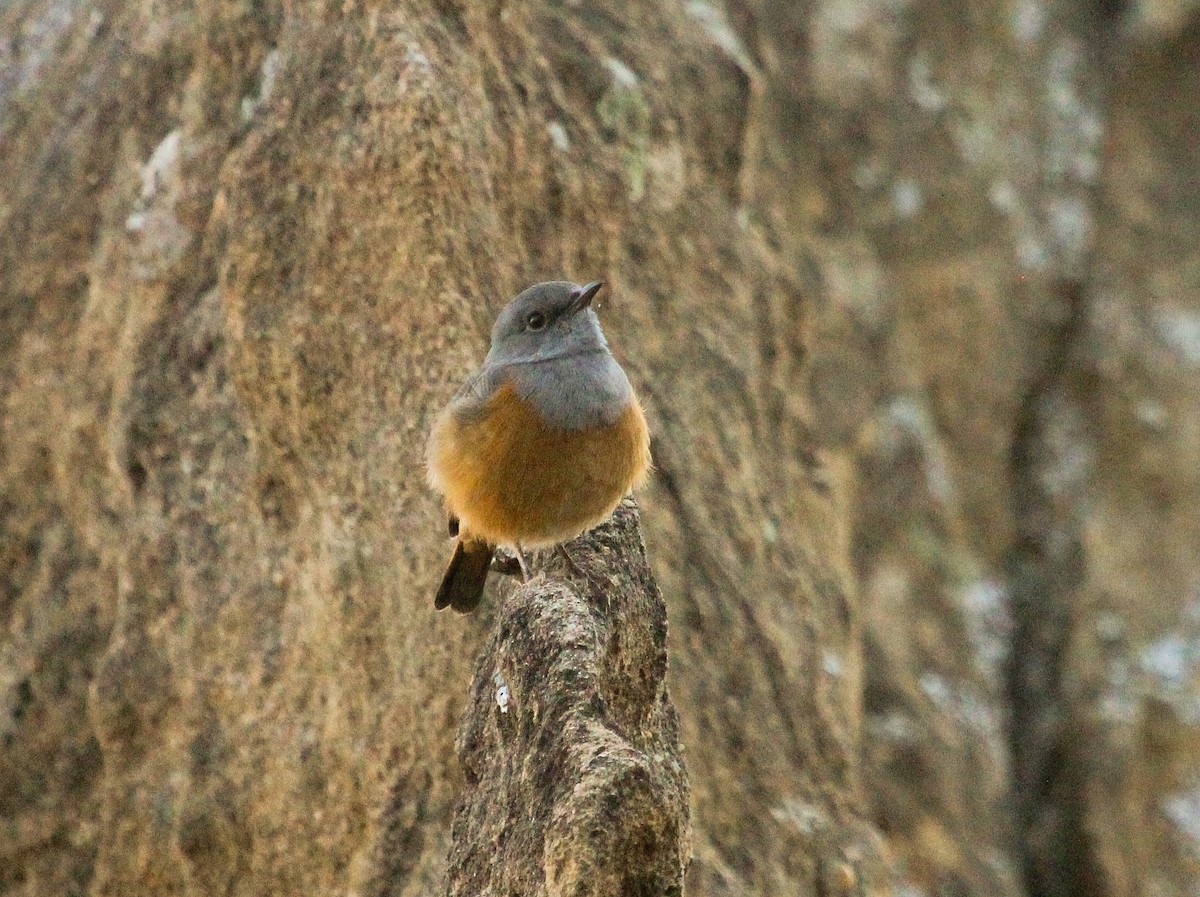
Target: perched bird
(541, 443)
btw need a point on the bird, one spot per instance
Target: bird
(540, 444)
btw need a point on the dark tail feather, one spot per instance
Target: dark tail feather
(462, 586)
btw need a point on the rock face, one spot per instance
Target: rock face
(910, 295)
(570, 745)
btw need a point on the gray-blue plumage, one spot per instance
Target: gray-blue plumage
(548, 343)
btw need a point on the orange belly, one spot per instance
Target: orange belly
(512, 480)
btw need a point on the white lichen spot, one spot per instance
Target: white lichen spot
(961, 703)
(162, 165)
(415, 56)
(905, 416)
(1032, 254)
(806, 818)
(711, 17)
(161, 237)
(907, 420)
(1085, 165)
(975, 138)
(1183, 809)
(1157, 20)
(1028, 21)
(266, 85)
(1152, 414)
(1172, 665)
(1072, 144)
(988, 615)
(907, 197)
(980, 716)
(852, 48)
(558, 136)
(922, 88)
(35, 44)
(869, 175)
(1061, 91)
(936, 688)
(502, 692)
(906, 888)
(1070, 223)
(937, 474)
(622, 75)
(846, 16)
(270, 71)
(1118, 702)
(1090, 124)
(893, 726)
(770, 532)
(1171, 660)
(1179, 330)
(1109, 627)
(404, 71)
(831, 663)
(1004, 197)
(1004, 869)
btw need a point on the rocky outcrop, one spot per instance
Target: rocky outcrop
(909, 298)
(570, 744)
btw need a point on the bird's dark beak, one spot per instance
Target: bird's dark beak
(582, 296)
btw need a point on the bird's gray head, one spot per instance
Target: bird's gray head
(548, 320)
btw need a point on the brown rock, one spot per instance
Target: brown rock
(570, 744)
(909, 292)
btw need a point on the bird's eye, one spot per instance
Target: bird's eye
(536, 321)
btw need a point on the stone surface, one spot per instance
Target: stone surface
(570, 744)
(909, 291)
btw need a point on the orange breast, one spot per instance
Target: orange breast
(510, 479)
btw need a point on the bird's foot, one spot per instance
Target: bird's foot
(526, 570)
(562, 552)
(506, 565)
(513, 563)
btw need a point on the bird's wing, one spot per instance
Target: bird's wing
(472, 400)
(472, 397)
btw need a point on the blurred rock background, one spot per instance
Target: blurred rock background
(911, 290)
